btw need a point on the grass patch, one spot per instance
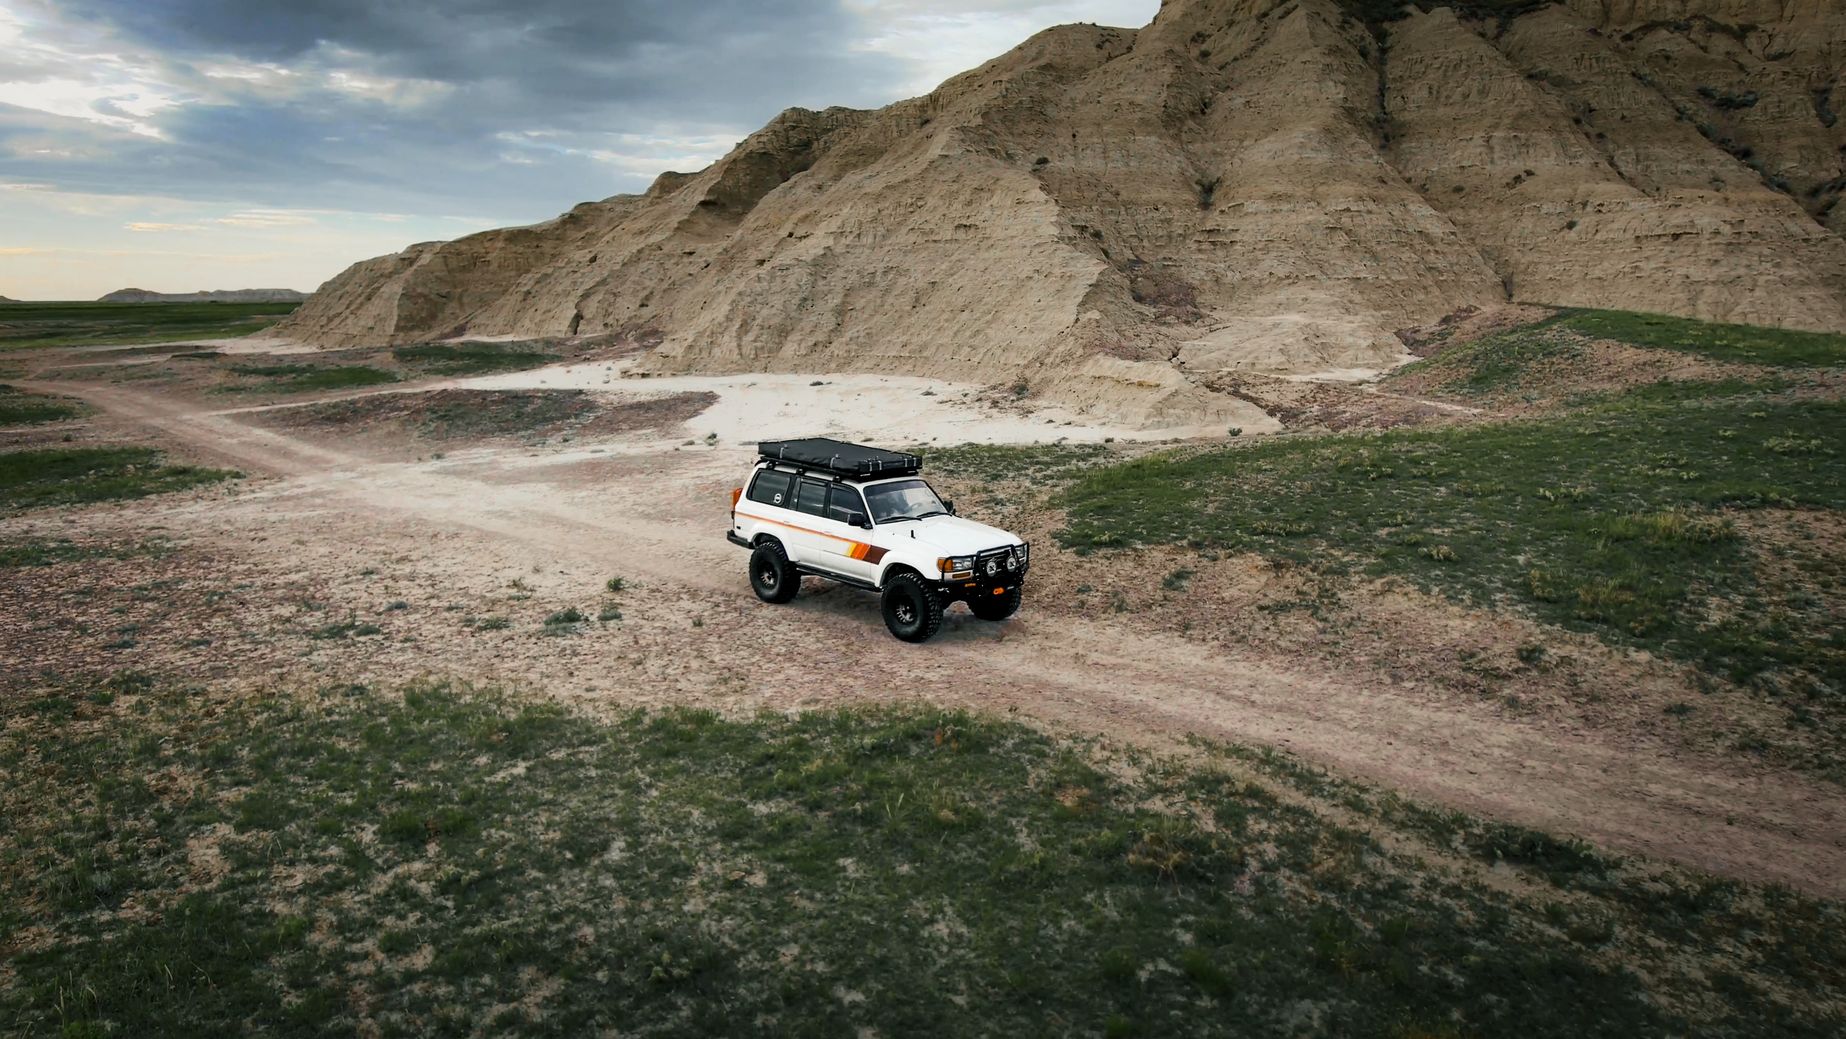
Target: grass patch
(1743, 344)
(71, 476)
(49, 552)
(355, 862)
(1613, 520)
(456, 414)
(21, 408)
(1532, 359)
(1003, 464)
(1500, 362)
(471, 358)
(351, 627)
(87, 324)
(307, 378)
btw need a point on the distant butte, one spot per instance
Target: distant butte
(215, 296)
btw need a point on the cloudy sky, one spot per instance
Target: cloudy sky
(188, 144)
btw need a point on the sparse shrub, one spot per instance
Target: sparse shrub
(130, 682)
(609, 612)
(348, 628)
(1672, 526)
(614, 584)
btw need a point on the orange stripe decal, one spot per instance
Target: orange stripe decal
(860, 550)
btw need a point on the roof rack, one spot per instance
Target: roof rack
(840, 458)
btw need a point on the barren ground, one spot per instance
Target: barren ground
(458, 558)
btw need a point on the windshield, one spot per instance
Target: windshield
(907, 499)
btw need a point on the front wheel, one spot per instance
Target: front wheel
(913, 610)
(772, 576)
(997, 607)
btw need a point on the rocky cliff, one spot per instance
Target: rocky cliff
(1272, 185)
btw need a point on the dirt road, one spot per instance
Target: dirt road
(653, 510)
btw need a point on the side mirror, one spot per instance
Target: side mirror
(950, 506)
(857, 519)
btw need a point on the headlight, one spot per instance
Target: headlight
(951, 564)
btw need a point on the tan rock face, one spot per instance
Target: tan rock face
(1257, 185)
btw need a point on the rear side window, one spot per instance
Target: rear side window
(771, 487)
(843, 501)
(811, 498)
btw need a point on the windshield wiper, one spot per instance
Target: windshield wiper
(938, 512)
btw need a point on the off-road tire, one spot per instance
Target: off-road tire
(997, 607)
(912, 609)
(772, 576)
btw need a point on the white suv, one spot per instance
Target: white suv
(863, 517)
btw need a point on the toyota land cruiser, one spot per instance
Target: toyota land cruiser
(865, 517)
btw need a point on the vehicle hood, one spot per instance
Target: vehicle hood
(951, 535)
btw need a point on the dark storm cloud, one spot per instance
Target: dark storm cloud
(518, 107)
(553, 50)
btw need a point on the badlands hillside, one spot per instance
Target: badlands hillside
(1263, 185)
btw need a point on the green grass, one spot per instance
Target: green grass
(1529, 359)
(88, 324)
(438, 861)
(1614, 520)
(471, 358)
(21, 408)
(307, 378)
(1499, 363)
(999, 465)
(70, 476)
(453, 414)
(52, 551)
(1744, 344)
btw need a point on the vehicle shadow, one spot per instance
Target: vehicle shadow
(855, 606)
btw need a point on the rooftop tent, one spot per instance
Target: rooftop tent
(836, 456)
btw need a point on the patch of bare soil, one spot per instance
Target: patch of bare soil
(346, 569)
(1306, 406)
(477, 416)
(1468, 324)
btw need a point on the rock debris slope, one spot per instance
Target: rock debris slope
(1266, 185)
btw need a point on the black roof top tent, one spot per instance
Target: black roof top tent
(842, 459)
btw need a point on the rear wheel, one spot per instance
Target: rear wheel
(997, 607)
(772, 576)
(913, 610)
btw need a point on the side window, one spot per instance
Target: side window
(812, 498)
(843, 501)
(772, 488)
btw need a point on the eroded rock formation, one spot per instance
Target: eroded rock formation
(1262, 185)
